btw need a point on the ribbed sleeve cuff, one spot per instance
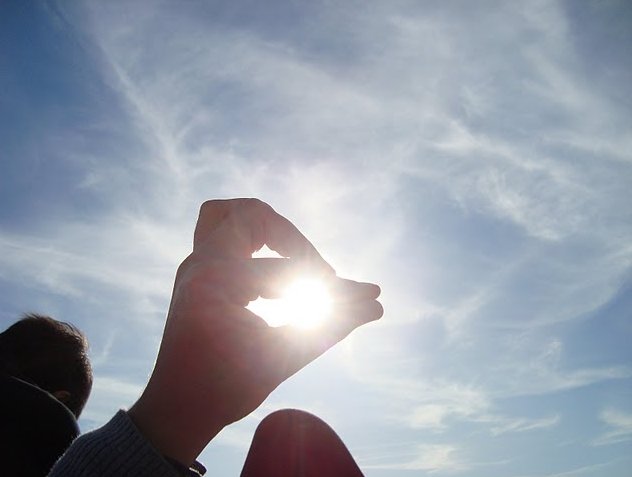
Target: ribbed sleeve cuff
(116, 449)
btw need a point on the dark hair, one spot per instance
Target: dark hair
(51, 354)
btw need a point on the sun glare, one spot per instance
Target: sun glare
(305, 303)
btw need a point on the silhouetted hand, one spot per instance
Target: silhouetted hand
(218, 361)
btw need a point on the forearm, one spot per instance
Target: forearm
(177, 423)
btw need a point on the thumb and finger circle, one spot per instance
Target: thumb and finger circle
(269, 277)
(235, 228)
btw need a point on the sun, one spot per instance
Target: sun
(305, 303)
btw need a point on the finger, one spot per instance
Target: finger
(349, 316)
(205, 282)
(239, 281)
(344, 290)
(212, 213)
(269, 278)
(234, 281)
(239, 227)
(346, 318)
(293, 349)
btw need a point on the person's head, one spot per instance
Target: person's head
(50, 354)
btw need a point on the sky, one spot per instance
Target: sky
(473, 158)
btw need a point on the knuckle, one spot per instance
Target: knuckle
(254, 205)
(207, 204)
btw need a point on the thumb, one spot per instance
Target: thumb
(294, 348)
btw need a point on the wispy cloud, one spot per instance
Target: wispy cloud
(437, 458)
(619, 424)
(505, 425)
(63, 263)
(473, 161)
(447, 402)
(433, 458)
(593, 469)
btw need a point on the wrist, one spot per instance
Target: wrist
(173, 427)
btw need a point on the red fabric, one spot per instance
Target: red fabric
(292, 443)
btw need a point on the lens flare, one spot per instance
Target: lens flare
(305, 303)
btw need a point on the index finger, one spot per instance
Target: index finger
(239, 227)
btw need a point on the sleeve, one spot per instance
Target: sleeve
(116, 449)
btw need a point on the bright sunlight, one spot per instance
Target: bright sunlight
(305, 303)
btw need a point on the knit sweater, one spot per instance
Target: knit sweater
(117, 449)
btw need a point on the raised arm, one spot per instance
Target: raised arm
(218, 361)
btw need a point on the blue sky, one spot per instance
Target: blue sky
(473, 158)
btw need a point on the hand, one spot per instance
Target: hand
(218, 361)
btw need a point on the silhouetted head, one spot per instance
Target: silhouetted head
(50, 354)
